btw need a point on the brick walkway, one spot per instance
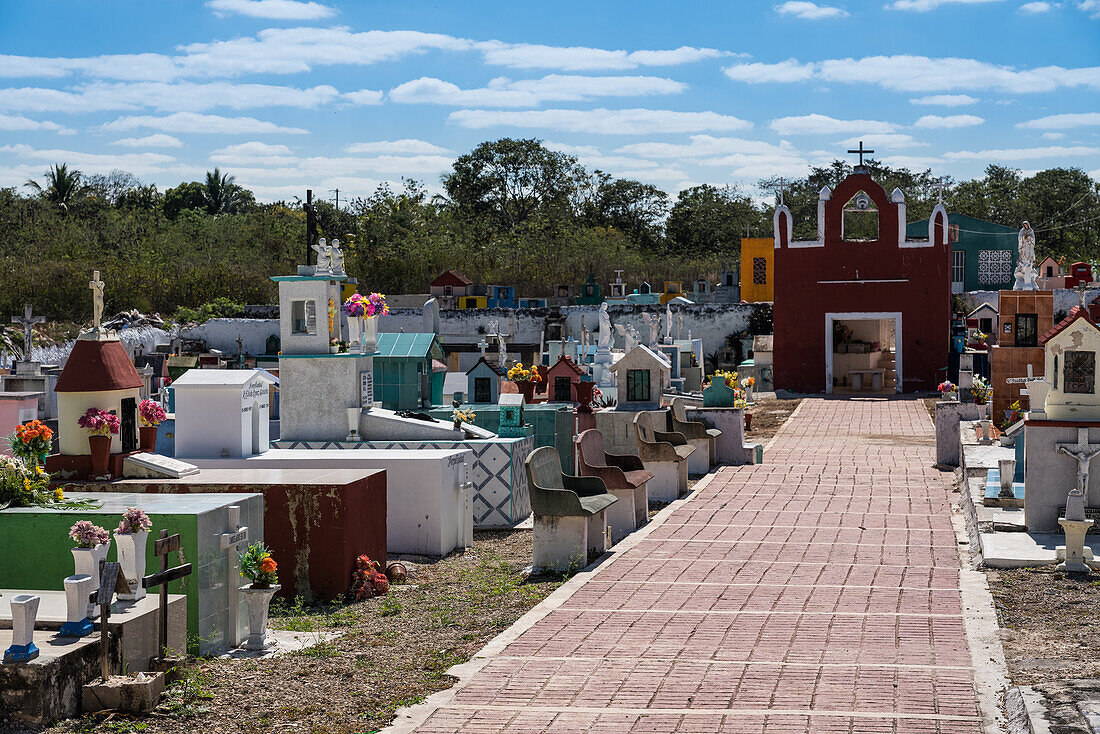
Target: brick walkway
(818, 592)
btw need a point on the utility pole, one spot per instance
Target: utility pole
(337, 191)
(311, 225)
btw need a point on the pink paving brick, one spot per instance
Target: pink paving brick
(818, 592)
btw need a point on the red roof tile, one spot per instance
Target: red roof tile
(97, 366)
(1075, 313)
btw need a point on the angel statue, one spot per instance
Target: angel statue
(654, 324)
(324, 263)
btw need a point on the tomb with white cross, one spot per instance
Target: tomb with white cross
(28, 390)
(1060, 443)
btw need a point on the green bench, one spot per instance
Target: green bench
(570, 513)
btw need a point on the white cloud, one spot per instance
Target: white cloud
(601, 121)
(365, 97)
(190, 122)
(921, 74)
(13, 123)
(1063, 122)
(946, 100)
(1023, 154)
(947, 122)
(274, 9)
(156, 140)
(405, 145)
(297, 50)
(809, 11)
(1035, 8)
(923, 6)
(1053, 136)
(707, 146)
(883, 140)
(129, 67)
(759, 73)
(914, 163)
(136, 163)
(253, 153)
(584, 58)
(185, 96)
(502, 92)
(816, 124)
(1092, 7)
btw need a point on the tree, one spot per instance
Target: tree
(112, 187)
(190, 195)
(222, 195)
(632, 207)
(63, 187)
(706, 219)
(510, 181)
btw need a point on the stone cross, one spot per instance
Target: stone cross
(483, 345)
(28, 321)
(97, 300)
(1082, 289)
(1082, 451)
(229, 542)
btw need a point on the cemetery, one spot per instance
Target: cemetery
(526, 375)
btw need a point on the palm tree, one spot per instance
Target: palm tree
(222, 194)
(63, 187)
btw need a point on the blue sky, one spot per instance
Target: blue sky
(291, 95)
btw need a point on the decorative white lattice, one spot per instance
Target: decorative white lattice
(994, 266)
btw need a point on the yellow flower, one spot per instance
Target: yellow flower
(58, 494)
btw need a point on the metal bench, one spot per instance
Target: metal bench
(665, 453)
(570, 513)
(698, 436)
(625, 476)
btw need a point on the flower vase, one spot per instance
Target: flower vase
(370, 334)
(24, 611)
(77, 590)
(100, 449)
(148, 438)
(258, 600)
(87, 561)
(527, 390)
(748, 393)
(131, 554)
(355, 334)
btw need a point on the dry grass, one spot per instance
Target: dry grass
(393, 651)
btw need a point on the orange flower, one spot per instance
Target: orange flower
(268, 565)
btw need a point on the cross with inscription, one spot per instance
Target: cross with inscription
(229, 542)
(27, 321)
(861, 150)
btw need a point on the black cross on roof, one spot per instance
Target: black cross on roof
(861, 150)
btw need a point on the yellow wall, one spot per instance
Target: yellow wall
(752, 247)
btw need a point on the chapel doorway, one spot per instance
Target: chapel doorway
(864, 356)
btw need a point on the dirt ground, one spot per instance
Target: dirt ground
(1050, 623)
(767, 416)
(392, 652)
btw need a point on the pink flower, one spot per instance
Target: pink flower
(134, 520)
(87, 535)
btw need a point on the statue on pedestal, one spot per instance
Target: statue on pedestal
(1026, 273)
(604, 342)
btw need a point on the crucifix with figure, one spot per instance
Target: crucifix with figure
(97, 301)
(1082, 452)
(27, 321)
(861, 150)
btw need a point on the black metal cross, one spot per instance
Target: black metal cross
(861, 150)
(162, 546)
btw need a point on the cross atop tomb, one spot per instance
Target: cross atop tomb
(483, 345)
(1082, 289)
(28, 321)
(1082, 451)
(781, 185)
(861, 150)
(97, 301)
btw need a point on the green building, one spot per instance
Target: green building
(405, 374)
(983, 254)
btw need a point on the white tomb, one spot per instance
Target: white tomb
(222, 412)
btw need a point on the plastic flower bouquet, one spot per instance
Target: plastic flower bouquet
(258, 566)
(748, 382)
(356, 306)
(368, 580)
(99, 422)
(151, 413)
(32, 442)
(134, 520)
(87, 535)
(945, 387)
(518, 373)
(982, 390)
(462, 416)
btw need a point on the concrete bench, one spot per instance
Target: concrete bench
(855, 377)
(624, 476)
(665, 453)
(570, 513)
(699, 437)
